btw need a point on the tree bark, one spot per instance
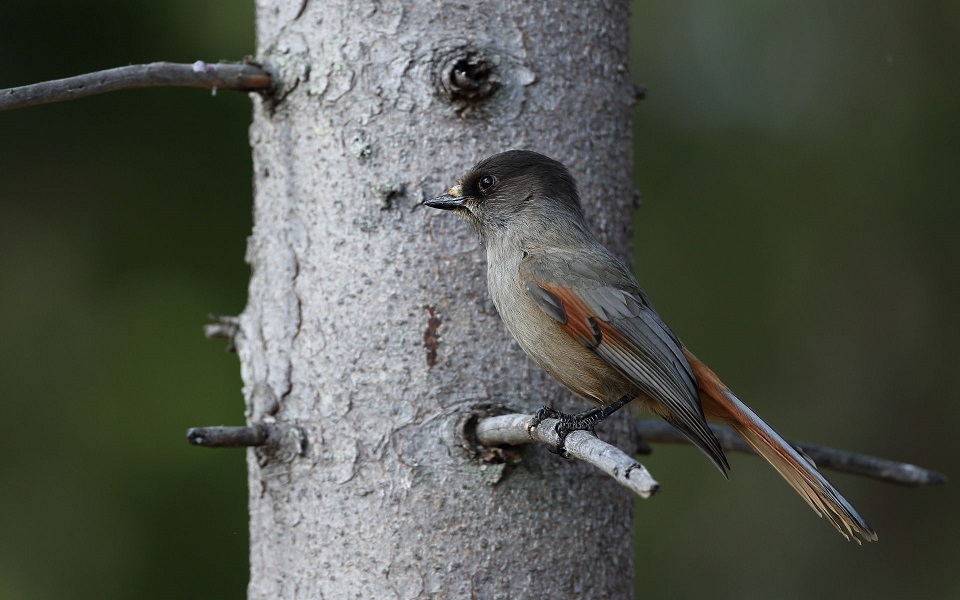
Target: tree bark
(369, 337)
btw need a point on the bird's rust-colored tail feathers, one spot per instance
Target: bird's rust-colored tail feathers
(720, 404)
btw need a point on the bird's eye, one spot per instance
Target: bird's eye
(486, 182)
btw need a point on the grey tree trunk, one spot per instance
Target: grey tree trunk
(369, 336)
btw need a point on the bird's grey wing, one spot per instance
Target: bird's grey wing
(600, 305)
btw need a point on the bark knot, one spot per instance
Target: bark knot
(467, 77)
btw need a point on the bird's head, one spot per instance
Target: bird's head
(512, 189)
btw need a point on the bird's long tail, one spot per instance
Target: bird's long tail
(721, 404)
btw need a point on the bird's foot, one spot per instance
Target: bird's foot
(567, 424)
(581, 421)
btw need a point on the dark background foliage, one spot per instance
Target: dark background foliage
(799, 169)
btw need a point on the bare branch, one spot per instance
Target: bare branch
(227, 437)
(223, 76)
(652, 430)
(273, 441)
(513, 430)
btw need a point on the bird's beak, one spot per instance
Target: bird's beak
(453, 199)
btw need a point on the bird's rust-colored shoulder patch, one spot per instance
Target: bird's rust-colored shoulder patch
(578, 320)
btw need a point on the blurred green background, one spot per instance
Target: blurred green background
(800, 166)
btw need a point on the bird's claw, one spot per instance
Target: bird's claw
(566, 424)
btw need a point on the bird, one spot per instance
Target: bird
(579, 313)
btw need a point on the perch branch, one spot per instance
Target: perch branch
(828, 458)
(513, 430)
(222, 76)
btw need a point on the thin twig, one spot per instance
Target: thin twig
(224, 327)
(652, 430)
(222, 76)
(513, 429)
